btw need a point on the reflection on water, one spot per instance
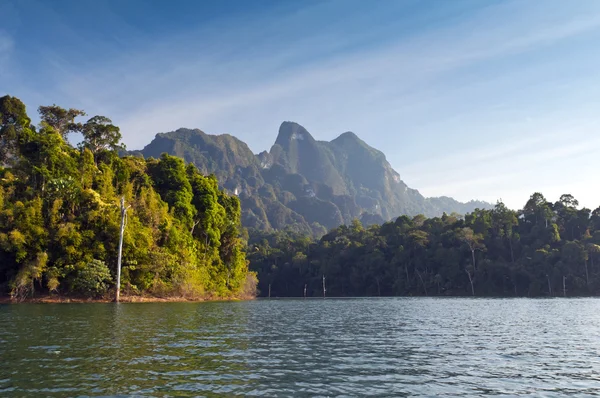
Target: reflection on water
(386, 347)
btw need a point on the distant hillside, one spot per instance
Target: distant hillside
(305, 184)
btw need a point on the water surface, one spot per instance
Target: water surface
(333, 347)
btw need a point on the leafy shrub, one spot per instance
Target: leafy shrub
(93, 279)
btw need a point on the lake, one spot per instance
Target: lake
(333, 347)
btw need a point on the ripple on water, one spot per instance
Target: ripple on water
(350, 347)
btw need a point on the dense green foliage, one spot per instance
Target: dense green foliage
(546, 249)
(60, 216)
(303, 184)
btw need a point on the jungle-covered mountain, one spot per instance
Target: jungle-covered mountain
(303, 184)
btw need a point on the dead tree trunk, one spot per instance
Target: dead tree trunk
(194, 227)
(120, 255)
(471, 281)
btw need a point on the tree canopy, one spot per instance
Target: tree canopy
(60, 219)
(545, 249)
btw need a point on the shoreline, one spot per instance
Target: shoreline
(47, 299)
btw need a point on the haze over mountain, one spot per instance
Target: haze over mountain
(303, 183)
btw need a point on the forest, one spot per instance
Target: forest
(60, 215)
(545, 249)
(60, 224)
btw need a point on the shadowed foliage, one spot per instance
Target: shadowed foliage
(545, 249)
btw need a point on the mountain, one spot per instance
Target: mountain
(302, 183)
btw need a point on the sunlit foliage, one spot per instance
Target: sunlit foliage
(60, 219)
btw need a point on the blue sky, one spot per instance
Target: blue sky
(470, 99)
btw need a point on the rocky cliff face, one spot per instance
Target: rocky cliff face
(302, 183)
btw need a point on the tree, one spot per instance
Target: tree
(567, 200)
(13, 124)
(93, 279)
(592, 252)
(99, 134)
(595, 220)
(473, 242)
(172, 183)
(60, 119)
(504, 220)
(574, 255)
(538, 209)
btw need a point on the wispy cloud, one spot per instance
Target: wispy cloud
(6, 47)
(399, 74)
(513, 171)
(499, 87)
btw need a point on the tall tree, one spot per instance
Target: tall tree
(60, 119)
(14, 122)
(537, 209)
(99, 134)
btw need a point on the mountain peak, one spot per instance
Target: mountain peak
(348, 138)
(289, 131)
(302, 181)
(348, 135)
(349, 141)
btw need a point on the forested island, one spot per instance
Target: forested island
(545, 249)
(60, 216)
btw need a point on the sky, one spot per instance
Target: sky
(473, 99)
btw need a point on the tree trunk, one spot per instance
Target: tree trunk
(473, 255)
(378, 287)
(120, 254)
(471, 281)
(422, 283)
(512, 255)
(549, 285)
(564, 286)
(194, 227)
(587, 275)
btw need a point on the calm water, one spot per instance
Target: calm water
(346, 347)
